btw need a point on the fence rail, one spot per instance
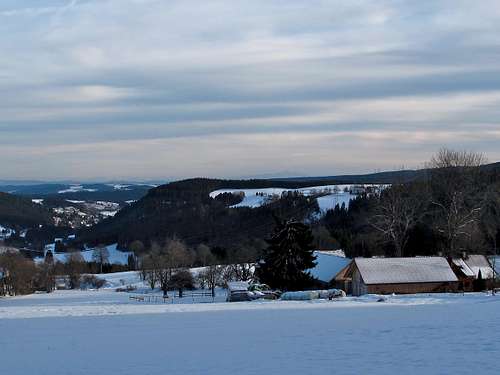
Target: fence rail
(155, 298)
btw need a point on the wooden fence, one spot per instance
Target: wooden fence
(155, 298)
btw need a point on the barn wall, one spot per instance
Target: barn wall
(412, 288)
(358, 286)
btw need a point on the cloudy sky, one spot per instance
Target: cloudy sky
(118, 89)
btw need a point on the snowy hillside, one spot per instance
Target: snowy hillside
(332, 195)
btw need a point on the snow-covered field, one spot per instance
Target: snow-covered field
(115, 256)
(104, 332)
(75, 189)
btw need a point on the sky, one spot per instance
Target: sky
(155, 89)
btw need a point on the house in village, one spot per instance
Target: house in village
(397, 275)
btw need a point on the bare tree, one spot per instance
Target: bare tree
(400, 208)
(149, 265)
(455, 179)
(203, 255)
(212, 276)
(181, 280)
(162, 263)
(490, 226)
(18, 274)
(100, 255)
(75, 266)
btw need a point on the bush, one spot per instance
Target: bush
(92, 282)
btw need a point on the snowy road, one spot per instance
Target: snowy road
(406, 335)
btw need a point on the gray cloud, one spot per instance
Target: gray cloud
(155, 89)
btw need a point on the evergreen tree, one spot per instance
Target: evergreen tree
(479, 283)
(288, 256)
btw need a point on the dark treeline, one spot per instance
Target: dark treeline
(19, 274)
(189, 214)
(16, 211)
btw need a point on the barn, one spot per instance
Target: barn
(397, 275)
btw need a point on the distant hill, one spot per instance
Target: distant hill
(185, 210)
(87, 192)
(373, 178)
(387, 177)
(20, 211)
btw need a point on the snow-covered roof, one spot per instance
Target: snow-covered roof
(405, 270)
(459, 262)
(234, 286)
(328, 264)
(479, 263)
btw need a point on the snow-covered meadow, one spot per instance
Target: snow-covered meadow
(115, 256)
(332, 195)
(104, 332)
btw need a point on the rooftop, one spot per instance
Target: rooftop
(405, 270)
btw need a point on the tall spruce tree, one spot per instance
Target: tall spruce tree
(288, 256)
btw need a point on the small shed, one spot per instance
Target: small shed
(398, 275)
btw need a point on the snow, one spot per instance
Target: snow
(104, 332)
(329, 264)
(115, 256)
(252, 201)
(75, 189)
(37, 201)
(6, 232)
(119, 279)
(328, 202)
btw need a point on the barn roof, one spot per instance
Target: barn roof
(460, 263)
(328, 264)
(404, 270)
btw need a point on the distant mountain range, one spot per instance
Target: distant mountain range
(116, 192)
(125, 191)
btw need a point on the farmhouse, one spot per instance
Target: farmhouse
(397, 275)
